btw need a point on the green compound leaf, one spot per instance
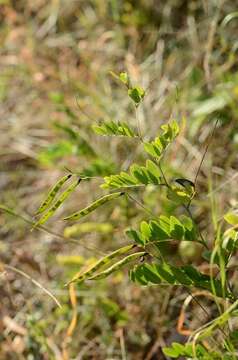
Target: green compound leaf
(106, 260)
(57, 204)
(96, 204)
(157, 147)
(164, 229)
(111, 128)
(187, 275)
(52, 194)
(138, 176)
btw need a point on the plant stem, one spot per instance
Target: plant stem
(187, 208)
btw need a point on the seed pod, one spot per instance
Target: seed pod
(79, 277)
(57, 204)
(78, 215)
(117, 266)
(52, 194)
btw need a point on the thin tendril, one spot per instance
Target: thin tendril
(205, 152)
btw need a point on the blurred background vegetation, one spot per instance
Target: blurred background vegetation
(55, 59)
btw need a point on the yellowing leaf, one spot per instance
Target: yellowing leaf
(231, 218)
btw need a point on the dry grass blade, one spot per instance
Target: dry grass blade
(35, 282)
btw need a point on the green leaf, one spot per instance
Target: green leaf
(165, 273)
(187, 275)
(96, 204)
(138, 275)
(152, 150)
(134, 235)
(164, 229)
(176, 228)
(157, 147)
(139, 175)
(123, 180)
(230, 241)
(194, 274)
(111, 128)
(190, 231)
(171, 352)
(177, 350)
(150, 273)
(123, 76)
(158, 232)
(145, 231)
(175, 128)
(180, 276)
(164, 222)
(203, 281)
(153, 172)
(136, 94)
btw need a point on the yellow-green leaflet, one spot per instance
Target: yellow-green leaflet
(101, 262)
(78, 215)
(117, 266)
(57, 204)
(52, 193)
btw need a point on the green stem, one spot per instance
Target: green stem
(203, 242)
